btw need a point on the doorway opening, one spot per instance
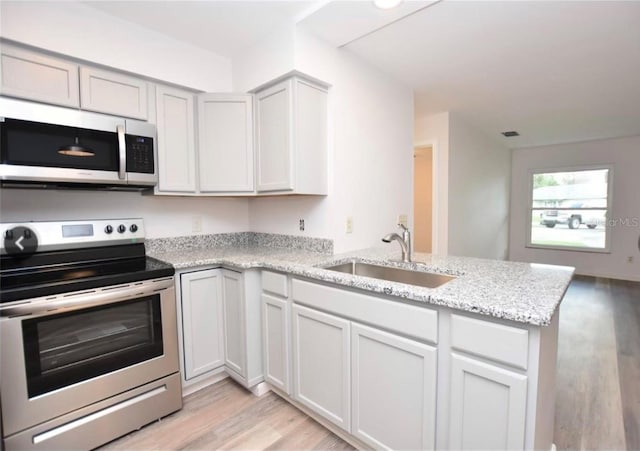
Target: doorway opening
(423, 199)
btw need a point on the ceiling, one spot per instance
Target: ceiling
(223, 27)
(555, 71)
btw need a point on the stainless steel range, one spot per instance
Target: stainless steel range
(88, 334)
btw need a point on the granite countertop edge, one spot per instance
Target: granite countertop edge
(521, 292)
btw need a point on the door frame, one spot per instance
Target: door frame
(437, 213)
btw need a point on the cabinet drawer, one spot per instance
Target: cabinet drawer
(274, 283)
(418, 322)
(494, 341)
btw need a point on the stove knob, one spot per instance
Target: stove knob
(108, 229)
(8, 235)
(27, 233)
(122, 228)
(133, 228)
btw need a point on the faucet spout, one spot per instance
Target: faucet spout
(404, 241)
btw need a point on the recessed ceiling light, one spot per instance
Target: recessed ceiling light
(511, 133)
(386, 4)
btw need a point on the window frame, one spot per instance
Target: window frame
(608, 215)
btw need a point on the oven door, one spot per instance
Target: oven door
(88, 348)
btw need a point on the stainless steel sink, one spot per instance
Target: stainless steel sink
(422, 279)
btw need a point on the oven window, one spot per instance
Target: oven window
(67, 348)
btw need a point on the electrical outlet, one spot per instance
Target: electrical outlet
(196, 224)
(349, 224)
(301, 225)
(630, 259)
(402, 219)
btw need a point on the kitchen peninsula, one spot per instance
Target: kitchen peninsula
(470, 363)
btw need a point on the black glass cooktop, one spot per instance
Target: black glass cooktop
(50, 273)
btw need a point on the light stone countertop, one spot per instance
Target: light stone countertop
(523, 292)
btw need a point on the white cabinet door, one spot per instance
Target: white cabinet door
(30, 75)
(310, 137)
(321, 364)
(488, 406)
(225, 143)
(176, 146)
(112, 93)
(275, 341)
(394, 390)
(202, 324)
(234, 321)
(274, 138)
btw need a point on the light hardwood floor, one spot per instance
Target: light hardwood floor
(597, 405)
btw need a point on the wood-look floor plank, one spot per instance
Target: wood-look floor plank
(306, 435)
(627, 321)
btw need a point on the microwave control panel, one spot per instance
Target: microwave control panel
(140, 154)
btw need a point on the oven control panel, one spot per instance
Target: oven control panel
(30, 237)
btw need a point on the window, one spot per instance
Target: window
(569, 209)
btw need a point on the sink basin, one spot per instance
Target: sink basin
(422, 279)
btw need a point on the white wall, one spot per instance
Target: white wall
(434, 131)
(83, 32)
(471, 187)
(479, 191)
(624, 155)
(371, 117)
(79, 31)
(270, 58)
(163, 217)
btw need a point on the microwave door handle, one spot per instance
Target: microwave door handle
(122, 150)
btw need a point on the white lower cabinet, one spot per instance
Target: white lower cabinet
(394, 375)
(487, 407)
(393, 390)
(242, 326)
(202, 326)
(276, 345)
(321, 364)
(234, 336)
(220, 327)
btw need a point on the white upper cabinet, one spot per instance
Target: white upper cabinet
(291, 137)
(274, 134)
(281, 148)
(176, 144)
(225, 143)
(33, 76)
(112, 93)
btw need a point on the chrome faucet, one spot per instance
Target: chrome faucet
(404, 240)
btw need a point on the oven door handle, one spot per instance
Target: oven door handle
(85, 299)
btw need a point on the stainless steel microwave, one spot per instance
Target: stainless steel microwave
(48, 146)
